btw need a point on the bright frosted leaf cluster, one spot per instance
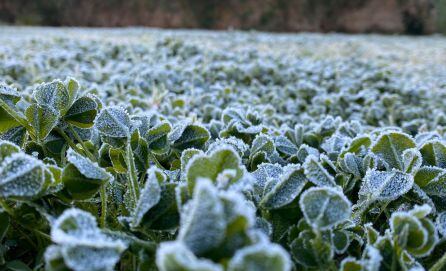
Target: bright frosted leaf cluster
(223, 151)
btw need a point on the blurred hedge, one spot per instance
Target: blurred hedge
(389, 16)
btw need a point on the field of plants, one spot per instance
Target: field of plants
(139, 149)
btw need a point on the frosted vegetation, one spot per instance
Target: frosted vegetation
(202, 151)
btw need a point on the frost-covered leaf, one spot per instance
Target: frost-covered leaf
(431, 180)
(81, 244)
(211, 166)
(390, 147)
(113, 122)
(150, 195)
(434, 153)
(385, 185)
(185, 136)
(82, 113)
(411, 161)
(23, 177)
(81, 177)
(42, 119)
(316, 173)
(286, 190)
(261, 257)
(7, 149)
(203, 219)
(157, 137)
(440, 223)
(174, 256)
(324, 207)
(413, 231)
(53, 96)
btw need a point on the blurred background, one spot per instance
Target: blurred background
(352, 16)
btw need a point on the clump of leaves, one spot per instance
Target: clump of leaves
(179, 158)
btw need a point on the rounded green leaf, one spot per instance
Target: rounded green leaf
(385, 185)
(324, 207)
(113, 122)
(390, 147)
(261, 257)
(53, 96)
(82, 113)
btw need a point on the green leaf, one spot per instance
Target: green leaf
(23, 177)
(81, 244)
(17, 266)
(7, 149)
(7, 122)
(324, 207)
(53, 96)
(213, 165)
(385, 185)
(82, 113)
(4, 224)
(390, 147)
(434, 153)
(186, 136)
(82, 178)
(113, 122)
(150, 195)
(260, 257)
(42, 119)
(203, 220)
(316, 173)
(286, 190)
(157, 137)
(431, 180)
(175, 256)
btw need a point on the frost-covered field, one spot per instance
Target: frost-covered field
(138, 149)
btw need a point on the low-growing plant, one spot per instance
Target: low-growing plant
(171, 158)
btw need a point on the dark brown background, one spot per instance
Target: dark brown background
(353, 16)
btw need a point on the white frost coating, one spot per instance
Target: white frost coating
(86, 167)
(372, 258)
(7, 148)
(412, 160)
(385, 185)
(441, 223)
(261, 257)
(421, 211)
(53, 95)
(324, 207)
(82, 245)
(236, 143)
(286, 190)
(203, 219)
(114, 122)
(264, 173)
(316, 173)
(174, 256)
(150, 195)
(236, 206)
(22, 175)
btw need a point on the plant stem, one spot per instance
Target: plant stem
(438, 266)
(153, 158)
(79, 139)
(6, 207)
(103, 194)
(68, 140)
(133, 176)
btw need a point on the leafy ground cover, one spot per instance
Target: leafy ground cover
(145, 149)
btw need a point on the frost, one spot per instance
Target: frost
(441, 223)
(385, 185)
(203, 220)
(113, 122)
(81, 243)
(53, 95)
(150, 195)
(316, 173)
(23, 176)
(324, 207)
(284, 192)
(434, 153)
(86, 167)
(6, 149)
(261, 257)
(212, 165)
(173, 256)
(390, 147)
